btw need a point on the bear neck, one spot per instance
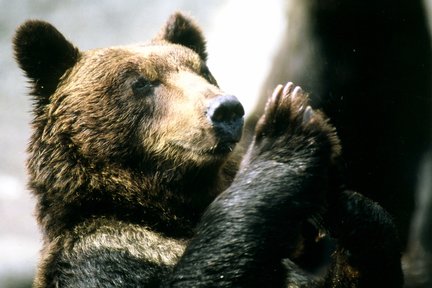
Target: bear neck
(71, 190)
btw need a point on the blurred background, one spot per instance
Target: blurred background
(364, 62)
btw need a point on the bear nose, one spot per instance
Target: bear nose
(225, 108)
(226, 115)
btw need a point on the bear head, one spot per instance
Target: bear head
(141, 130)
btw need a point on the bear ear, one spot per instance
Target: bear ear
(181, 29)
(44, 54)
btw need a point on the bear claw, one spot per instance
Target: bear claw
(308, 114)
(297, 90)
(288, 87)
(274, 100)
(288, 110)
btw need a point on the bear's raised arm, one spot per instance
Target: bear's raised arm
(256, 222)
(138, 183)
(283, 182)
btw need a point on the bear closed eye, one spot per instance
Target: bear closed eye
(142, 86)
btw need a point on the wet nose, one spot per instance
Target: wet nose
(226, 115)
(225, 108)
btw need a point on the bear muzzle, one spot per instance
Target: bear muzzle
(225, 112)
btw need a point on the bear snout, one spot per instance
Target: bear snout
(225, 112)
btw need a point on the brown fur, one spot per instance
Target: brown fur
(103, 157)
(131, 144)
(88, 143)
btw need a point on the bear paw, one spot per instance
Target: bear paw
(289, 126)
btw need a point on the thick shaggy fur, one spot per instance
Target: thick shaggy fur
(138, 186)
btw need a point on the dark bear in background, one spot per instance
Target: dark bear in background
(137, 185)
(368, 65)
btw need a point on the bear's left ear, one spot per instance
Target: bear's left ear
(44, 54)
(182, 30)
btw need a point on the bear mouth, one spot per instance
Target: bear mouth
(222, 148)
(219, 149)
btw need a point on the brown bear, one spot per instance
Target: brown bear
(138, 183)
